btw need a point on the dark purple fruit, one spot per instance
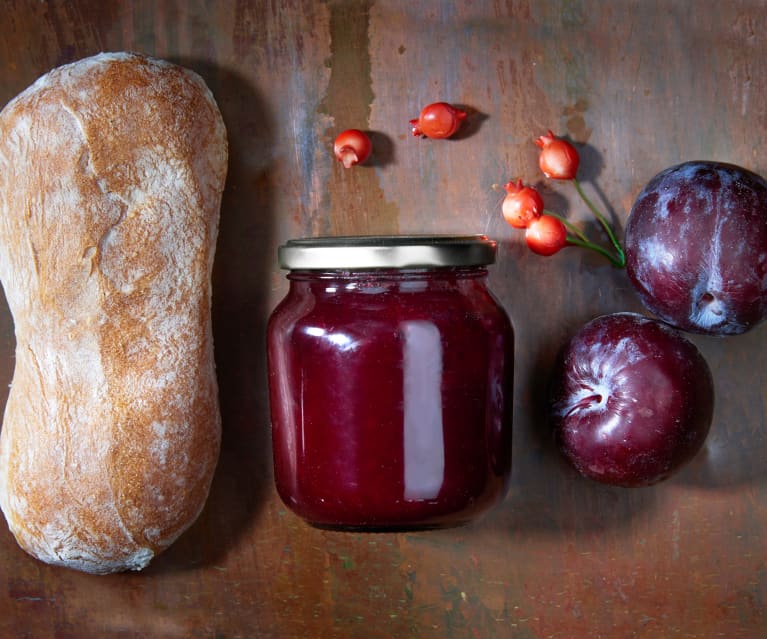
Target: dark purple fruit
(631, 400)
(696, 247)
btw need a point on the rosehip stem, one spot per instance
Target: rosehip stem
(620, 260)
(578, 238)
(568, 225)
(617, 262)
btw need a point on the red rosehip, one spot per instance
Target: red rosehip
(352, 147)
(546, 235)
(559, 159)
(522, 205)
(438, 120)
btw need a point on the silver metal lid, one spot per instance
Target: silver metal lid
(386, 251)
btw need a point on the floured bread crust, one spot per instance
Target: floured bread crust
(111, 174)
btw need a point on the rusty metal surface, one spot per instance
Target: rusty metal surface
(639, 85)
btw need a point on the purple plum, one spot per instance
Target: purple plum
(631, 400)
(696, 247)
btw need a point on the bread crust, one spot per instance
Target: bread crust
(111, 175)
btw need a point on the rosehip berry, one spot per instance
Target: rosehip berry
(559, 159)
(522, 205)
(546, 235)
(352, 147)
(438, 120)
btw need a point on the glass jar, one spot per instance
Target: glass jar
(390, 379)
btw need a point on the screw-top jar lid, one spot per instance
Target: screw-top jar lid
(386, 251)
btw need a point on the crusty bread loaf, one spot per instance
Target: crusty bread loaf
(111, 174)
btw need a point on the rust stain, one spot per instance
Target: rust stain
(356, 201)
(576, 121)
(526, 105)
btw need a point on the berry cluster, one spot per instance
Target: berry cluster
(438, 120)
(547, 232)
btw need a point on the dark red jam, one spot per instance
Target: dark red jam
(390, 393)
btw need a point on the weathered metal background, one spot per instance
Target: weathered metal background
(638, 85)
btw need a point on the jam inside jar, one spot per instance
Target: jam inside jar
(390, 380)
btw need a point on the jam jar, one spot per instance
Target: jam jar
(390, 382)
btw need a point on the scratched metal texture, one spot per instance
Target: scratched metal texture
(638, 86)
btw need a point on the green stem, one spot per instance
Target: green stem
(568, 225)
(618, 262)
(621, 259)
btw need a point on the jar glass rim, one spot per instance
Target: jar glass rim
(386, 251)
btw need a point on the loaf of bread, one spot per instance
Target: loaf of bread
(111, 175)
